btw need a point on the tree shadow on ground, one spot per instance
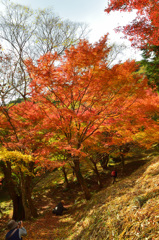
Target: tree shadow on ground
(74, 193)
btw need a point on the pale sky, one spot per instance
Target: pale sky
(90, 12)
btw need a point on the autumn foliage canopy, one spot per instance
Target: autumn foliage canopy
(78, 105)
(79, 97)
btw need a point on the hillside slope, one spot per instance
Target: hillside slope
(127, 210)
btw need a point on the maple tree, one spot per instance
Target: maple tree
(81, 97)
(128, 132)
(142, 31)
(144, 28)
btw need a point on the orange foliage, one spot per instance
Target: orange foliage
(78, 97)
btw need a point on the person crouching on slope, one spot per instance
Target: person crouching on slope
(58, 210)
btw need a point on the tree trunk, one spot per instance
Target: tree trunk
(65, 177)
(18, 209)
(104, 161)
(122, 163)
(81, 179)
(14, 193)
(23, 207)
(28, 181)
(98, 175)
(30, 210)
(24, 199)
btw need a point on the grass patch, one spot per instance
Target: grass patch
(113, 213)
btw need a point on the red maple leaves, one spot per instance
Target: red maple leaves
(79, 96)
(144, 28)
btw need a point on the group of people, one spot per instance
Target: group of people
(17, 231)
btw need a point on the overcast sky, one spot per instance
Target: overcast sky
(90, 12)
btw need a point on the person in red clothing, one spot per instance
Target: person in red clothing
(16, 230)
(114, 175)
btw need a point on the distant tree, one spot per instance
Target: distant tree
(151, 64)
(26, 33)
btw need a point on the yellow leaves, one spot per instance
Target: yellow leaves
(140, 135)
(67, 42)
(18, 159)
(27, 9)
(17, 156)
